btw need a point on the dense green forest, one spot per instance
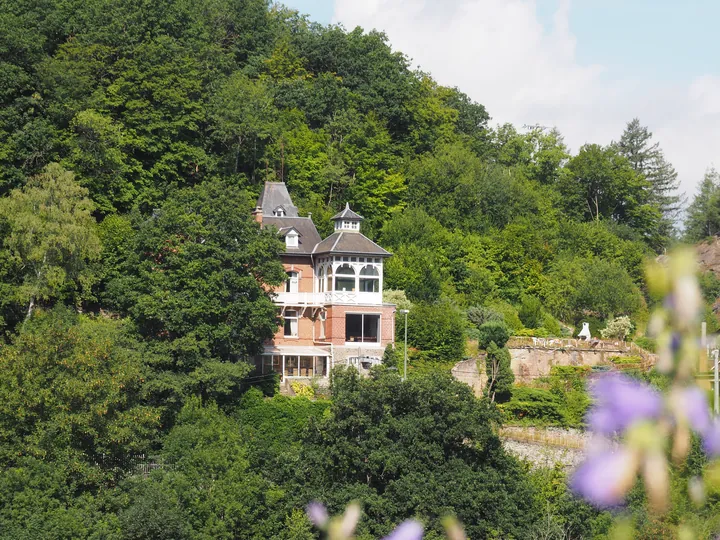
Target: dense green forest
(134, 139)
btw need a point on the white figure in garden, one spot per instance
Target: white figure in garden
(585, 332)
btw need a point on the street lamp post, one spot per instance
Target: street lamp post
(405, 312)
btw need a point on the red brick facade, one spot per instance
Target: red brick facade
(331, 306)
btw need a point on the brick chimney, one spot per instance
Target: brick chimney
(258, 214)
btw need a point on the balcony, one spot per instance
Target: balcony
(300, 299)
(328, 298)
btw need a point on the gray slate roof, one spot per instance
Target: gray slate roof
(274, 195)
(309, 236)
(350, 242)
(347, 214)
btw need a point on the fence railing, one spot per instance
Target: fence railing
(134, 464)
(560, 439)
(625, 347)
(572, 343)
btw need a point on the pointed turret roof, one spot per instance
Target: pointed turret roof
(278, 210)
(275, 196)
(347, 214)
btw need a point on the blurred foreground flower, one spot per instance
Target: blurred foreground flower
(620, 402)
(343, 527)
(646, 425)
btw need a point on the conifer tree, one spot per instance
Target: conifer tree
(703, 217)
(649, 160)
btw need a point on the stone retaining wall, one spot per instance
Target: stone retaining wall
(530, 362)
(546, 447)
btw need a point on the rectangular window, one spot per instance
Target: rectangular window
(291, 366)
(345, 284)
(291, 323)
(306, 366)
(369, 285)
(272, 363)
(320, 366)
(362, 328)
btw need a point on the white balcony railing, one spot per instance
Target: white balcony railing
(327, 298)
(300, 299)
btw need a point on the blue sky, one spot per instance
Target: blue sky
(661, 39)
(584, 66)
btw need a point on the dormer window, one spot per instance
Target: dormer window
(279, 212)
(291, 239)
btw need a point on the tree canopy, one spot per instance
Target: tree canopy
(134, 283)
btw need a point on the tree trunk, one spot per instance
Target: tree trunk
(30, 308)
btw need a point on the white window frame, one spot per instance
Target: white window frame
(291, 239)
(293, 327)
(292, 284)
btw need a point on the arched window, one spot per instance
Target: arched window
(369, 279)
(345, 279)
(329, 278)
(291, 285)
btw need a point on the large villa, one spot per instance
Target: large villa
(332, 302)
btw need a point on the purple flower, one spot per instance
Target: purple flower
(407, 530)
(675, 342)
(621, 401)
(317, 514)
(711, 439)
(694, 406)
(604, 478)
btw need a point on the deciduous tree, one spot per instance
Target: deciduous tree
(51, 237)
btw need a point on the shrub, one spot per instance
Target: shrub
(269, 384)
(499, 373)
(509, 314)
(544, 411)
(397, 297)
(564, 404)
(479, 315)
(533, 332)
(391, 356)
(563, 379)
(437, 329)
(552, 325)
(531, 311)
(493, 332)
(576, 407)
(422, 363)
(626, 360)
(534, 404)
(527, 393)
(649, 344)
(302, 390)
(619, 328)
(472, 333)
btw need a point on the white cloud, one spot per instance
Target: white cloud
(499, 53)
